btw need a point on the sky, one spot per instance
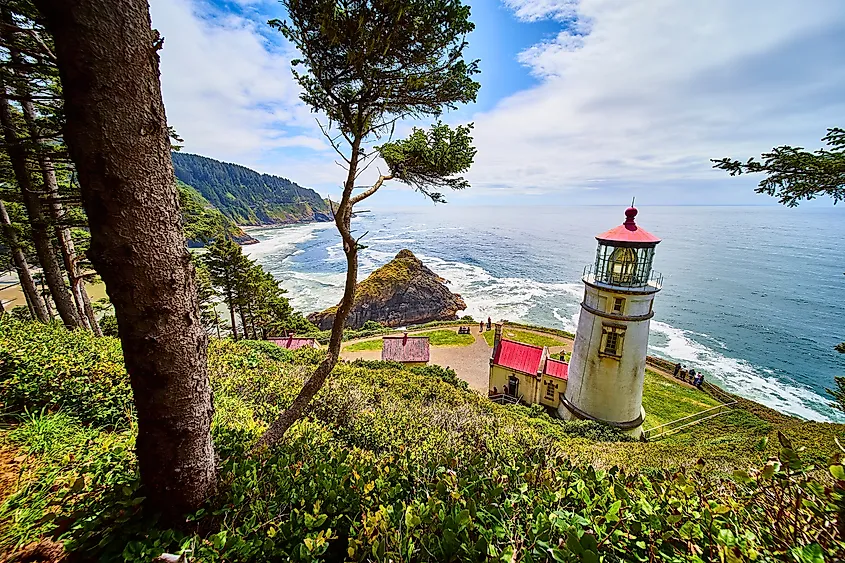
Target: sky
(581, 101)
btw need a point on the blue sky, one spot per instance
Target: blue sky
(582, 101)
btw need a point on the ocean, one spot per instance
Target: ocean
(752, 296)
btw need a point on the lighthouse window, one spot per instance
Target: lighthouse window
(623, 262)
(550, 390)
(612, 338)
(618, 305)
(611, 343)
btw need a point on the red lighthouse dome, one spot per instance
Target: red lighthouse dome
(629, 232)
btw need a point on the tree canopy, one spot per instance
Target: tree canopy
(794, 174)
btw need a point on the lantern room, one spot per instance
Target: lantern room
(624, 257)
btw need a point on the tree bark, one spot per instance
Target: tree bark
(231, 304)
(117, 136)
(33, 299)
(40, 226)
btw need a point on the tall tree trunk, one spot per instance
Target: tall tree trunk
(117, 135)
(33, 299)
(40, 227)
(231, 305)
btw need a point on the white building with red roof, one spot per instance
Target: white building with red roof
(525, 373)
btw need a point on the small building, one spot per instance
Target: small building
(409, 350)
(293, 342)
(525, 373)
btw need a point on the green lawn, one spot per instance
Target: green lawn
(665, 401)
(447, 338)
(436, 337)
(364, 345)
(525, 337)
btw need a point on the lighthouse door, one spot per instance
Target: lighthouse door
(513, 386)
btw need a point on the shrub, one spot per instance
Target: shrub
(108, 325)
(49, 367)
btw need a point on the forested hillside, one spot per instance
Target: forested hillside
(247, 197)
(202, 221)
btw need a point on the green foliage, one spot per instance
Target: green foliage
(397, 464)
(247, 197)
(202, 222)
(838, 393)
(370, 328)
(248, 290)
(108, 324)
(367, 62)
(793, 174)
(431, 159)
(49, 367)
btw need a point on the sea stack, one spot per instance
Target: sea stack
(400, 293)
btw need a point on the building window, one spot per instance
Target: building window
(618, 305)
(612, 339)
(550, 390)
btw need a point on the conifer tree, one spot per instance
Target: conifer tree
(109, 68)
(367, 65)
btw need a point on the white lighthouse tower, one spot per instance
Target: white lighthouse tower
(607, 367)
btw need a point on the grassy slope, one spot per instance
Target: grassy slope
(373, 413)
(665, 401)
(436, 337)
(525, 337)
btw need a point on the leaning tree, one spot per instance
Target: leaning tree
(366, 65)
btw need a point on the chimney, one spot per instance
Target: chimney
(497, 338)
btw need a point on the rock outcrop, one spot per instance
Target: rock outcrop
(400, 293)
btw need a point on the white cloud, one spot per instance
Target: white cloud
(228, 91)
(655, 89)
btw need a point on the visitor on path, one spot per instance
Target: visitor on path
(677, 370)
(700, 381)
(495, 391)
(481, 326)
(489, 324)
(692, 378)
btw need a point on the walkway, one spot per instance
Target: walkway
(471, 363)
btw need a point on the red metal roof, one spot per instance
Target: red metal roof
(518, 356)
(556, 368)
(405, 348)
(293, 343)
(628, 231)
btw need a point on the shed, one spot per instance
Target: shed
(406, 349)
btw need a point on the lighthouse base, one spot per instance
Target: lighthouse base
(634, 428)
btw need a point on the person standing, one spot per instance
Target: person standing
(489, 324)
(677, 370)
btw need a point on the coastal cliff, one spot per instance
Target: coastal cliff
(402, 292)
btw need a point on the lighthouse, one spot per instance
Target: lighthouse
(607, 367)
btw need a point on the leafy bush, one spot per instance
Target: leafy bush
(46, 366)
(444, 374)
(108, 325)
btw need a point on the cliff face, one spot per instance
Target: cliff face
(400, 293)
